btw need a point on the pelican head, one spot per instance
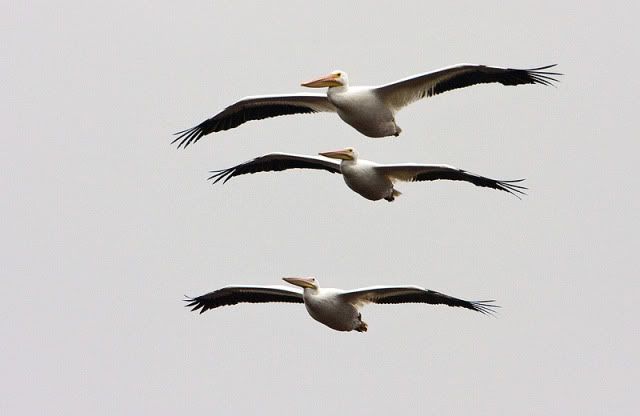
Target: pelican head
(335, 79)
(303, 282)
(345, 154)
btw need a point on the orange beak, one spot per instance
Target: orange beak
(337, 154)
(304, 282)
(325, 81)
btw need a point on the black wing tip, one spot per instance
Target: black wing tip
(195, 304)
(540, 76)
(221, 175)
(540, 68)
(188, 136)
(511, 187)
(485, 307)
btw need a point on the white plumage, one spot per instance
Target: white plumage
(372, 180)
(336, 308)
(370, 110)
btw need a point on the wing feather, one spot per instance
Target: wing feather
(415, 173)
(255, 108)
(413, 294)
(275, 162)
(232, 295)
(405, 91)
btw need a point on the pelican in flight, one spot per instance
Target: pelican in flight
(336, 308)
(371, 180)
(370, 110)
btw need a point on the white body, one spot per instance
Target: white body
(362, 177)
(325, 307)
(361, 108)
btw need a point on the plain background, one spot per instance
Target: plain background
(105, 225)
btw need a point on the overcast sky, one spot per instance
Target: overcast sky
(106, 225)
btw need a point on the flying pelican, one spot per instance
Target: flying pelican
(370, 110)
(336, 308)
(371, 180)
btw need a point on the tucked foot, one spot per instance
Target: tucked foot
(394, 194)
(362, 327)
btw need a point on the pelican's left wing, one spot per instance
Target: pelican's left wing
(405, 91)
(413, 173)
(276, 162)
(412, 294)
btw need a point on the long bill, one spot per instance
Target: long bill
(343, 154)
(303, 282)
(324, 81)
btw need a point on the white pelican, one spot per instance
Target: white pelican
(336, 308)
(370, 110)
(371, 180)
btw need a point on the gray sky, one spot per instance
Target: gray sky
(106, 226)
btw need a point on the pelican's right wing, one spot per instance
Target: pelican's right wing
(231, 295)
(256, 108)
(276, 162)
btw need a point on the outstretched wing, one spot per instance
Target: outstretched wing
(413, 294)
(414, 173)
(255, 108)
(231, 295)
(275, 162)
(405, 91)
